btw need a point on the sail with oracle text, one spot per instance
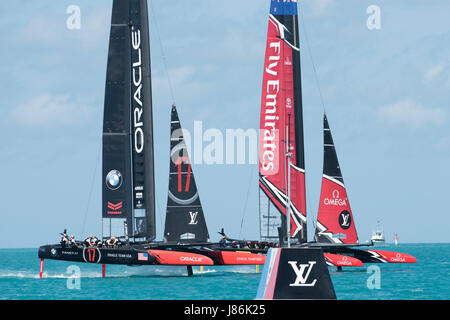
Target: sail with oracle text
(128, 170)
(185, 221)
(335, 222)
(281, 128)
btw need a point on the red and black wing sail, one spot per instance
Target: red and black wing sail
(185, 221)
(128, 174)
(335, 222)
(281, 127)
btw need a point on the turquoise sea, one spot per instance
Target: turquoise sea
(429, 279)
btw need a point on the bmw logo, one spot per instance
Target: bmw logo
(114, 179)
(53, 251)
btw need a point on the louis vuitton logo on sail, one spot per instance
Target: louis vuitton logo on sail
(138, 122)
(193, 216)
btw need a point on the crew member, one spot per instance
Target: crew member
(88, 241)
(72, 241)
(94, 241)
(223, 241)
(112, 242)
(64, 240)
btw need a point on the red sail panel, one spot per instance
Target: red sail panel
(335, 221)
(277, 128)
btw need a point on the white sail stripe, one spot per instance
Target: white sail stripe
(329, 145)
(280, 196)
(328, 235)
(376, 255)
(297, 168)
(271, 17)
(281, 28)
(334, 180)
(183, 201)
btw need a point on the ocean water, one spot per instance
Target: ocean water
(428, 279)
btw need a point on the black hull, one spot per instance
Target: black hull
(125, 255)
(155, 253)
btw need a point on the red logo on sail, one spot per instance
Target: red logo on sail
(115, 208)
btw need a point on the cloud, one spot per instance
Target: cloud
(410, 113)
(48, 110)
(47, 29)
(433, 72)
(443, 143)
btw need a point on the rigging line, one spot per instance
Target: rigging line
(246, 200)
(309, 206)
(91, 188)
(159, 217)
(313, 64)
(166, 69)
(316, 77)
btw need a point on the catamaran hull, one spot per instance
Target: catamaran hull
(372, 256)
(345, 255)
(133, 256)
(97, 255)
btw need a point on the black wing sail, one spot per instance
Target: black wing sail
(142, 123)
(331, 166)
(128, 192)
(117, 202)
(185, 221)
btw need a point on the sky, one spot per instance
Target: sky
(386, 92)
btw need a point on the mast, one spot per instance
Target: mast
(334, 220)
(288, 202)
(281, 128)
(128, 174)
(185, 220)
(142, 123)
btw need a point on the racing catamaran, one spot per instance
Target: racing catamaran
(335, 226)
(282, 200)
(128, 195)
